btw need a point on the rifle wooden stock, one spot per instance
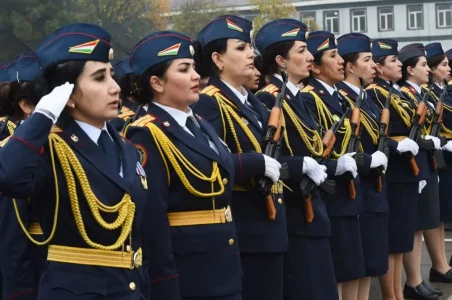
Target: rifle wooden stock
(328, 141)
(421, 111)
(379, 184)
(309, 212)
(439, 109)
(355, 120)
(351, 189)
(384, 121)
(414, 166)
(271, 209)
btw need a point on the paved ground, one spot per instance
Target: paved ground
(375, 293)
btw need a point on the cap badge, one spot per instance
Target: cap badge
(170, 51)
(86, 48)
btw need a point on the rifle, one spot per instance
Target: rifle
(437, 155)
(355, 139)
(272, 141)
(384, 135)
(306, 184)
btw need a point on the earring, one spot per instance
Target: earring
(221, 68)
(73, 104)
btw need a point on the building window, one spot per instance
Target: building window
(415, 17)
(331, 21)
(444, 15)
(385, 18)
(359, 23)
(308, 18)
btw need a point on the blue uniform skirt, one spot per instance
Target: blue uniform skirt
(262, 276)
(374, 235)
(428, 215)
(308, 269)
(346, 248)
(445, 203)
(402, 200)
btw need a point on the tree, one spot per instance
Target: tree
(270, 10)
(192, 15)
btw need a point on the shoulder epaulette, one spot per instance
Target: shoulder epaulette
(56, 129)
(4, 141)
(125, 113)
(405, 89)
(210, 90)
(371, 86)
(307, 89)
(271, 89)
(141, 122)
(424, 86)
(343, 93)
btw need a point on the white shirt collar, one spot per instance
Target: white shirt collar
(293, 88)
(329, 88)
(416, 87)
(91, 131)
(178, 115)
(439, 85)
(354, 88)
(243, 95)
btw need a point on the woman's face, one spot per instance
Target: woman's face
(237, 63)
(363, 67)
(96, 97)
(180, 86)
(332, 68)
(298, 62)
(391, 70)
(420, 72)
(442, 71)
(253, 83)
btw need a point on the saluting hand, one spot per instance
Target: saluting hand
(52, 105)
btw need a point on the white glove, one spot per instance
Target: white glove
(272, 167)
(448, 146)
(436, 141)
(346, 163)
(408, 145)
(52, 105)
(314, 170)
(379, 159)
(422, 185)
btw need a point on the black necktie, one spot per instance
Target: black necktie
(253, 111)
(110, 150)
(196, 131)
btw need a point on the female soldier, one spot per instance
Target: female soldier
(192, 177)
(402, 184)
(323, 100)
(253, 84)
(308, 265)
(434, 238)
(21, 261)
(88, 180)
(354, 48)
(224, 53)
(415, 72)
(130, 109)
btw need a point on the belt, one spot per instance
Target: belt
(95, 257)
(200, 217)
(35, 228)
(398, 138)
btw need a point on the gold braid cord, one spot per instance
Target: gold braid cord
(326, 118)
(70, 165)
(168, 151)
(426, 128)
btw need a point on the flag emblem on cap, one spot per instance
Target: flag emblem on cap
(233, 26)
(173, 50)
(324, 45)
(292, 32)
(384, 46)
(86, 48)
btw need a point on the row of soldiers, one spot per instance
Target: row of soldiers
(247, 188)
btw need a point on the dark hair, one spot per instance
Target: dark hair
(203, 56)
(266, 63)
(380, 60)
(411, 62)
(58, 74)
(350, 58)
(126, 84)
(12, 93)
(318, 61)
(142, 90)
(435, 61)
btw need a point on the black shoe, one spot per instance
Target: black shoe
(418, 293)
(436, 276)
(431, 288)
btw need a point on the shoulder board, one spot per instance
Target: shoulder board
(271, 89)
(56, 129)
(405, 89)
(424, 86)
(449, 83)
(125, 113)
(371, 86)
(3, 143)
(307, 89)
(343, 93)
(141, 122)
(210, 90)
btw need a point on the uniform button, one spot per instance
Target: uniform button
(280, 201)
(132, 286)
(128, 248)
(231, 242)
(225, 181)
